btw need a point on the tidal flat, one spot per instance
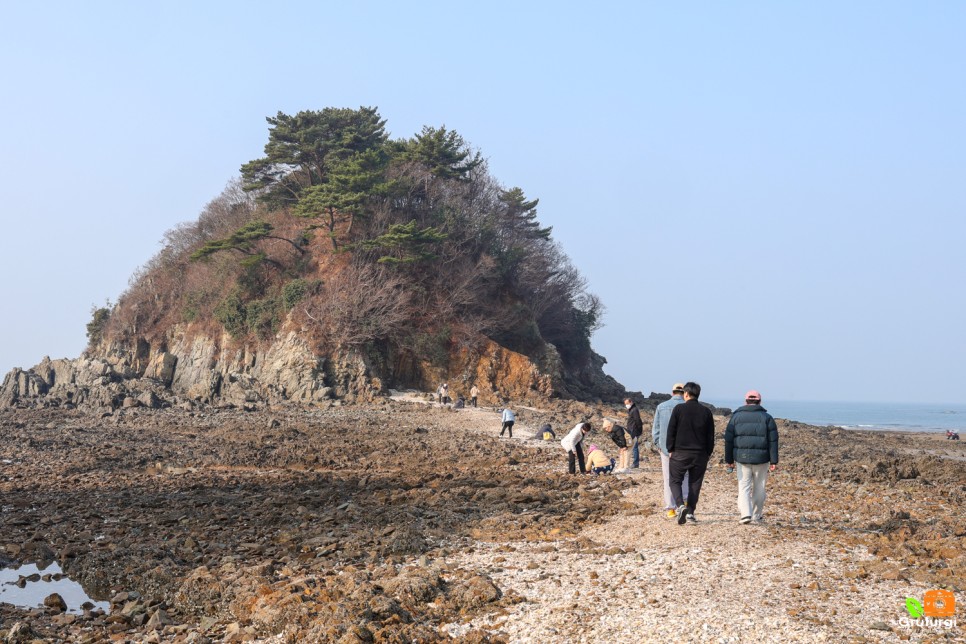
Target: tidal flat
(400, 521)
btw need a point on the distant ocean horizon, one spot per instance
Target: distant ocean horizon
(908, 417)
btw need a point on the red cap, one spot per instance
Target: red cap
(752, 395)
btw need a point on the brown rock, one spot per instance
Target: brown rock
(475, 592)
(413, 587)
(19, 633)
(159, 619)
(55, 602)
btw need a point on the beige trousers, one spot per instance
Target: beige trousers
(751, 489)
(668, 498)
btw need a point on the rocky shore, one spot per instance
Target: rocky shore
(401, 521)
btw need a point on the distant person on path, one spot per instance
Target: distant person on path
(571, 443)
(443, 393)
(508, 419)
(616, 434)
(690, 443)
(662, 416)
(474, 392)
(751, 441)
(635, 427)
(598, 462)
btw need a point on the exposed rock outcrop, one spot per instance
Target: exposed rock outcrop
(190, 368)
(82, 381)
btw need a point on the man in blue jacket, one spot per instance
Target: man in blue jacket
(751, 440)
(662, 416)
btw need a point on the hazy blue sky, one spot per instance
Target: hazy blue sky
(764, 194)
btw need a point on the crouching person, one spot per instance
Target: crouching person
(598, 462)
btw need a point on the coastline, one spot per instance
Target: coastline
(938, 435)
(892, 417)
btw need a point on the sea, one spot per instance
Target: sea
(891, 416)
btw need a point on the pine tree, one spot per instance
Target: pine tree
(302, 150)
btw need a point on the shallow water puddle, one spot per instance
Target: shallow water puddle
(36, 589)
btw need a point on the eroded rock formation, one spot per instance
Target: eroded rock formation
(186, 368)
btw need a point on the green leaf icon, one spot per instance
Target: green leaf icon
(914, 606)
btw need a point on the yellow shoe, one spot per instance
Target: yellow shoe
(670, 514)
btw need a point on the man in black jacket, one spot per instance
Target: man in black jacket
(751, 440)
(690, 443)
(635, 428)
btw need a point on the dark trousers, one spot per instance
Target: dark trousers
(507, 427)
(576, 454)
(473, 400)
(694, 464)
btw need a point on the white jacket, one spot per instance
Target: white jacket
(508, 415)
(574, 436)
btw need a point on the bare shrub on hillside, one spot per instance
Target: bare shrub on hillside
(359, 305)
(223, 214)
(458, 294)
(549, 279)
(135, 311)
(158, 291)
(459, 284)
(226, 212)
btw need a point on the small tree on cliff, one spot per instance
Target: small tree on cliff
(517, 235)
(244, 241)
(405, 244)
(95, 328)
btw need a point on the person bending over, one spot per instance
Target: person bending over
(572, 445)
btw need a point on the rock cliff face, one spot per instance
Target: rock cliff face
(185, 369)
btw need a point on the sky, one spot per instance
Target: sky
(765, 195)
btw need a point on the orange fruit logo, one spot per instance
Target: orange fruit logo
(939, 603)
